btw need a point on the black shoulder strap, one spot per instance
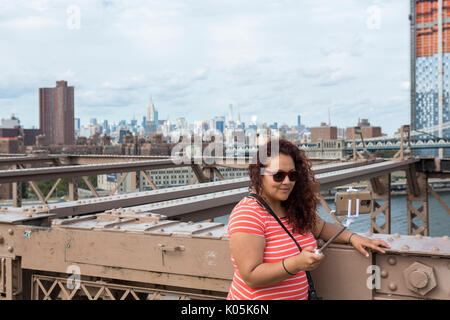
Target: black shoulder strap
(312, 294)
(273, 214)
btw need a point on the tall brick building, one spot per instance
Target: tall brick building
(323, 132)
(56, 114)
(366, 129)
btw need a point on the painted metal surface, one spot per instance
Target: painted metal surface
(147, 247)
(131, 243)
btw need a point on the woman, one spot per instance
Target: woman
(267, 262)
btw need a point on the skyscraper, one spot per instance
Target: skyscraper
(56, 114)
(151, 111)
(430, 70)
(219, 124)
(152, 118)
(230, 112)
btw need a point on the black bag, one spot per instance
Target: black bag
(312, 294)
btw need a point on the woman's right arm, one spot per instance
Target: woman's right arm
(248, 252)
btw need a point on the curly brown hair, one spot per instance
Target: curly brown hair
(302, 203)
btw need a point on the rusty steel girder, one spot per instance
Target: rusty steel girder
(416, 267)
(144, 249)
(327, 175)
(133, 164)
(130, 243)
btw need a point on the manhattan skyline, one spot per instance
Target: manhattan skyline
(270, 59)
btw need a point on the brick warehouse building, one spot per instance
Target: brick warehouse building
(367, 131)
(324, 132)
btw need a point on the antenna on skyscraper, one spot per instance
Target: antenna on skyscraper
(230, 112)
(329, 117)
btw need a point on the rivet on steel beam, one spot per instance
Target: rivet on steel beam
(435, 249)
(10, 249)
(392, 261)
(404, 247)
(418, 279)
(392, 286)
(11, 231)
(384, 274)
(390, 239)
(396, 235)
(419, 236)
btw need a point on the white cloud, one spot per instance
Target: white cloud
(30, 22)
(272, 58)
(405, 85)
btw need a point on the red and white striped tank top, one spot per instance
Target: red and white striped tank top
(249, 216)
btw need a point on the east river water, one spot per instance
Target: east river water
(439, 219)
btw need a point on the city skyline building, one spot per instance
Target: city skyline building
(430, 71)
(172, 129)
(368, 131)
(10, 123)
(151, 124)
(324, 132)
(152, 114)
(219, 124)
(56, 114)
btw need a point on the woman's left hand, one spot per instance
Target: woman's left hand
(360, 243)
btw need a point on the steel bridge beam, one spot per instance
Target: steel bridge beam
(47, 173)
(342, 177)
(201, 191)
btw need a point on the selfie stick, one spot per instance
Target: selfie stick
(350, 219)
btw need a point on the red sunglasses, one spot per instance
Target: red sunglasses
(280, 175)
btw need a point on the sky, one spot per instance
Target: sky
(271, 59)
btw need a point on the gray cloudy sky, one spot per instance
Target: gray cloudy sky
(270, 58)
